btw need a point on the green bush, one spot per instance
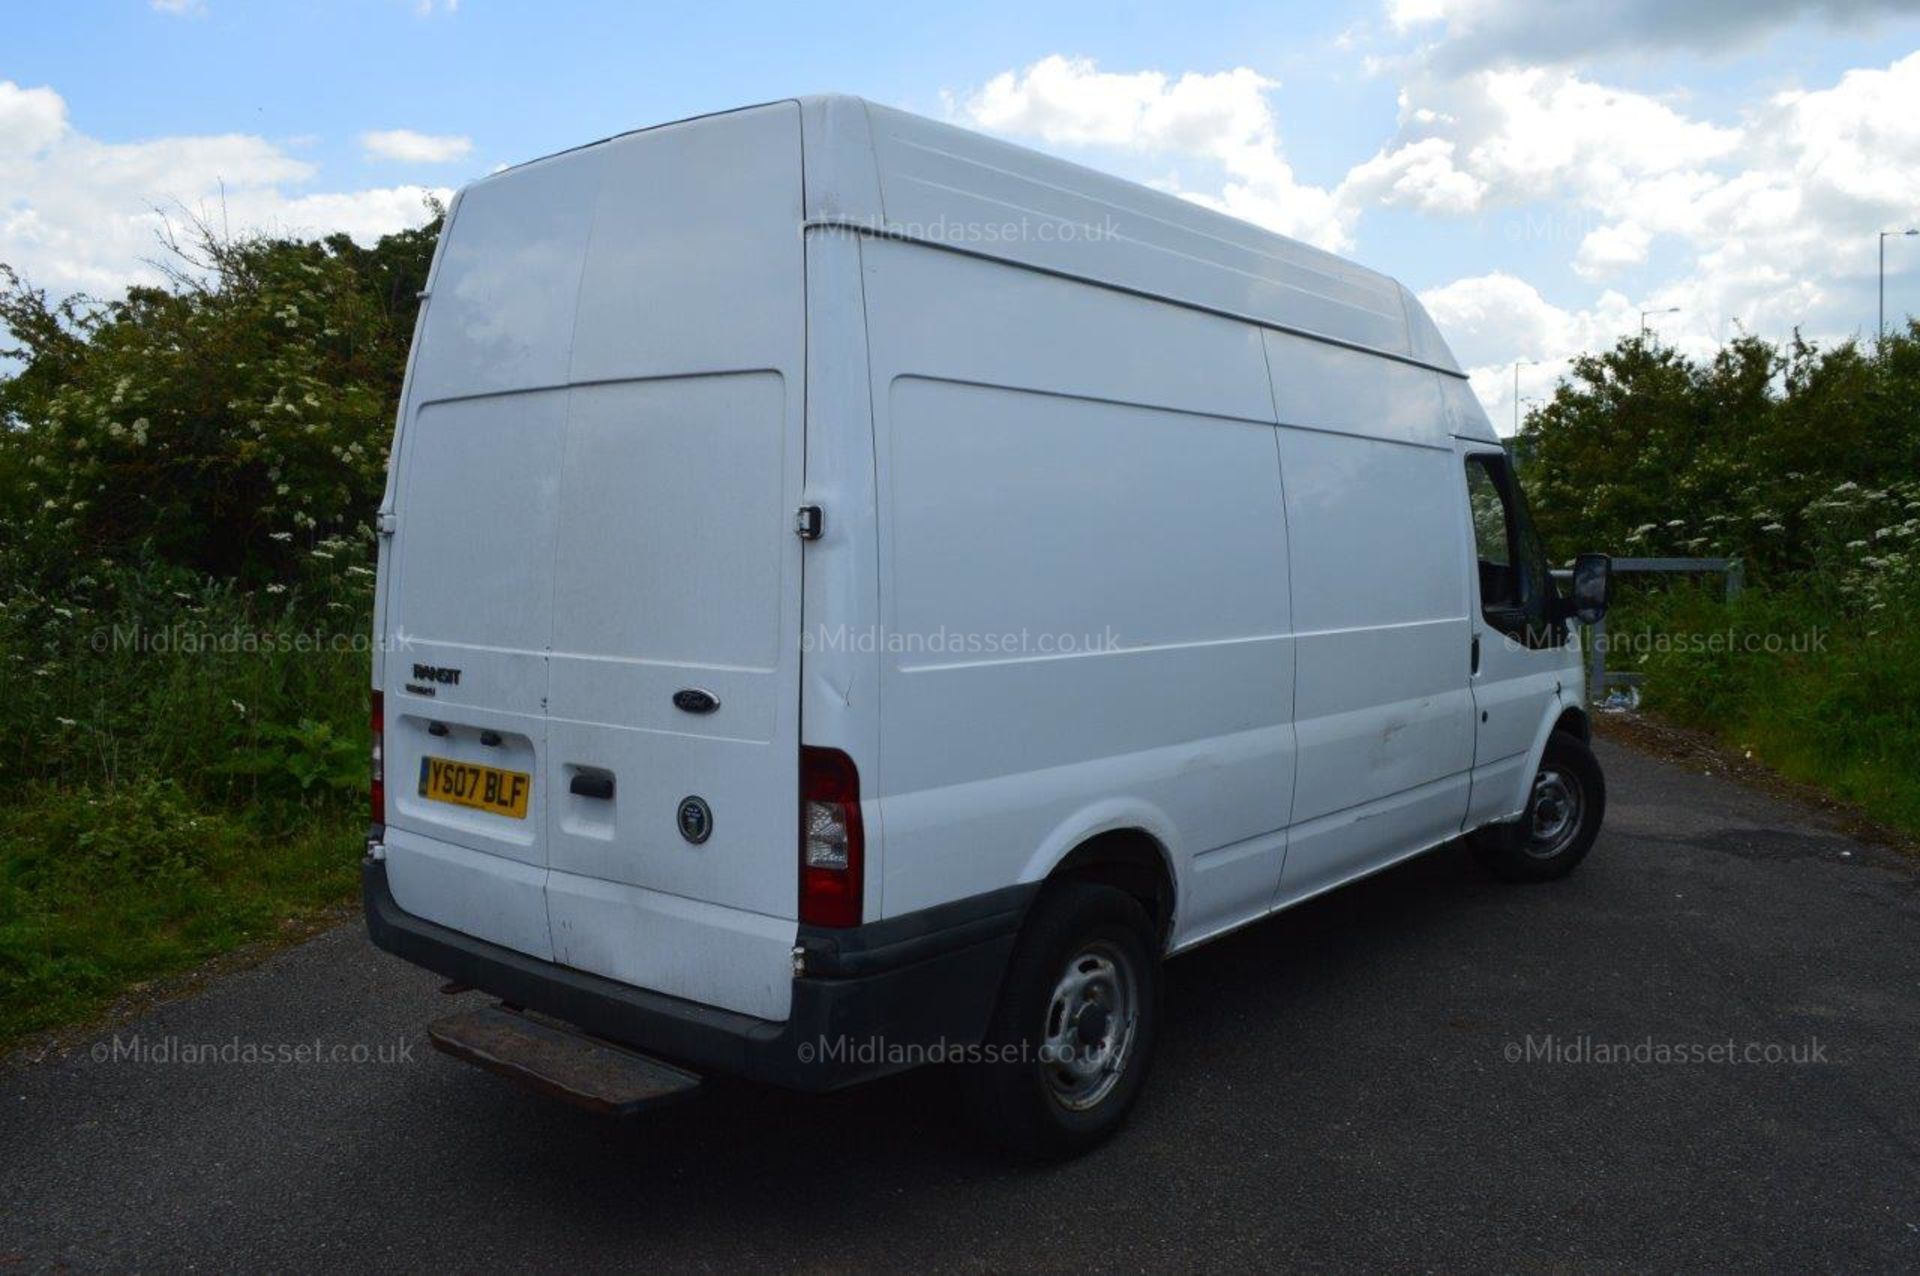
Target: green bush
(187, 484)
(1761, 454)
(142, 832)
(1804, 465)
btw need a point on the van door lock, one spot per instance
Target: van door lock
(808, 522)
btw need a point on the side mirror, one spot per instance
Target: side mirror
(1592, 581)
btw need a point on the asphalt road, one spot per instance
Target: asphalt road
(1335, 1089)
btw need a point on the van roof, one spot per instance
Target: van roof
(877, 170)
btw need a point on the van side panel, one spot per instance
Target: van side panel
(1083, 558)
(1326, 387)
(949, 185)
(1384, 715)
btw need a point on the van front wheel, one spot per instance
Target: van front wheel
(1564, 810)
(1074, 1030)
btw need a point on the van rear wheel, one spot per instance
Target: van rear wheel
(1074, 1029)
(1564, 810)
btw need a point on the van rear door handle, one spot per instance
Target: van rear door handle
(1475, 655)
(591, 786)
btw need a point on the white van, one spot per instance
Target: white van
(855, 593)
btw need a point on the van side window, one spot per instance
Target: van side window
(1493, 536)
(1516, 587)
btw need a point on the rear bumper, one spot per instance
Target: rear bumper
(876, 999)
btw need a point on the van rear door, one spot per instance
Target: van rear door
(630, 507)
(468, 620)
(672, 748)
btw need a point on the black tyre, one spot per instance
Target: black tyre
(1564, 810)
(1074, 1029)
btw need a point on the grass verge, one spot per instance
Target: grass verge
(104, 890)
(1786, 676)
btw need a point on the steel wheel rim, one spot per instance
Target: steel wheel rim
(1092, 1020)
(1554, 812)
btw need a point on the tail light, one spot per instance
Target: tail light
(377, 790)
(832, 841)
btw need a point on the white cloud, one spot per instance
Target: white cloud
(1421, 174)
(1224, 119)
(180, 8)
(1607, 249)
(1497, 318)
(1494, 137)
(1768, 220)
(1476, 33)
(415, 148)
(1859, 141)
(1407, 14)
(1493, 321)
(77, 213)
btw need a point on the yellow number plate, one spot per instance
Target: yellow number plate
(484, 788)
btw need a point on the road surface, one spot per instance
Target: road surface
(1415, 1072)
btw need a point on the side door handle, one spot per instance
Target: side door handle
(1474, 656)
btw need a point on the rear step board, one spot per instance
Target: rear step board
(587, 1071)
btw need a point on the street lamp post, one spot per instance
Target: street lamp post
(1883, 275)
(1670, 310)
(1517, 365)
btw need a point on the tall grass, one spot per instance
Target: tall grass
(105, 888)
(184, 771)
(1821, 690)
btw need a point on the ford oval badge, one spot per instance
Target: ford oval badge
(695, 700)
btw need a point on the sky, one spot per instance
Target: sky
(1539, 173)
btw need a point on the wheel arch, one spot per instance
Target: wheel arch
(1560, 717)
(1131, 860)
(1126, 843)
